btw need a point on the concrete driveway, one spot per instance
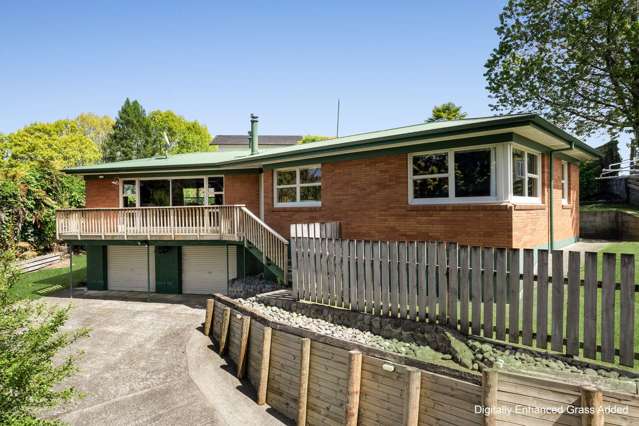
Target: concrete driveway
(147, 362)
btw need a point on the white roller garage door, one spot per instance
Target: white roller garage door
(128, 268)
(204, 269)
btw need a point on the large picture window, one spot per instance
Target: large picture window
(466, 175)
(526, 168)
(177, 191)
(300, 186)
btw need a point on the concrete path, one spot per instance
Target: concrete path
(149, 363)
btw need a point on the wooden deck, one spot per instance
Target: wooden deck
(228, 223)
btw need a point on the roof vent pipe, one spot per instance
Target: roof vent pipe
(253, 137)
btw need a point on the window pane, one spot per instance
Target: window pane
(430, 188)
(311, 175)
(311, 193)
(286, 195)
(286, 178)
(519, 173)
(216, 184)
(472, 173)
(129, 196)
(216, 200)
(532, 186)
(532, 164)
(154, 193)
(188, 192)
(430, 164)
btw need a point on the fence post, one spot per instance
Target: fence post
(489, 385)
(241, 362)
(353, 387)
(411, 403)
(264, 366)
(305, 360)
(224, 329)
(592, 398)
(208, 319)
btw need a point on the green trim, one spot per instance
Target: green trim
(529, 143)
(97, 268)
(563, 157)
(176, 243)
(557, 244)
(570, 139)
(177, 173)
(433, 146)
(168, 269)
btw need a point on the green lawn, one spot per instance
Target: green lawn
(619, 248)
(598, 207)
(33, 285)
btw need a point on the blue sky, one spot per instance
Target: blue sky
(287, 61)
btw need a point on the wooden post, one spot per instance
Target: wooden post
(411, 403)
(305, 360)
(592, 398)
(489, 384)
(353, 386)
(241, 362)
(264, 366)
(208, 319)
(224, 329)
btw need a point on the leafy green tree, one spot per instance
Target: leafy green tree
(590, 188)
(445, 112)
(61, 143)
(575, 62)
(184, 135)
(132, 136)
(31, 366)
(95, 127)
(313, 138)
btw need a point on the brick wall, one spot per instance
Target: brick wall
(369, 198)
(102, 192)
(530, 223)
(243, 189)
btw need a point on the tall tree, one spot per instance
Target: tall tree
(61, 143)
(313, 138)
(95, 127)
(184, 135)
(575, 62)
(132, 136)
(447, 111)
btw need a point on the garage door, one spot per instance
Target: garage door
(204, 269)
(128, 268)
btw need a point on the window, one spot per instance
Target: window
(526, 174)
(301, 186)
(178, 191)
(129, 193)
(155, 193)
(461, 174)
(187, 192)
(564, 182)
(216, 190)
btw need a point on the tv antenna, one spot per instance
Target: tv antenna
(337, 132)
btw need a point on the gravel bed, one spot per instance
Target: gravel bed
(483, 354)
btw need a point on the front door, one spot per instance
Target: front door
(168, 274)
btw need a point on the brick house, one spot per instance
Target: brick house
(190, 222)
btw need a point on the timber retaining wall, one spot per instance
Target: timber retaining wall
(317, 379)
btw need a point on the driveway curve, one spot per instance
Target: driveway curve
(147, 362)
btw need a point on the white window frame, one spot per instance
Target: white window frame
(297, 185)
(452, 199)
(565, 179)
(170, 179)
(527, 199)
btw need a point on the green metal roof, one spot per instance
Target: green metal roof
(378, 139)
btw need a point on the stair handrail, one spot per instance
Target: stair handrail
(275, 250)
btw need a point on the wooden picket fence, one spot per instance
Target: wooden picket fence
(510, 295)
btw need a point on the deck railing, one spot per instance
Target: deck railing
(228, 222)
